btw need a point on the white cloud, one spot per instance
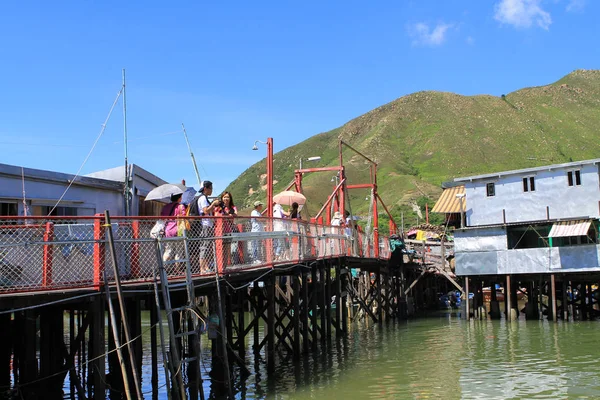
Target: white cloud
(423, 35)
(470, 40)
(575, 5)
(522, 13)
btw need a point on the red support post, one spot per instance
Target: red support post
(98, 251)
(135, 249)
(220, 256)
(269, 242)
(48, 254)
(270, 177)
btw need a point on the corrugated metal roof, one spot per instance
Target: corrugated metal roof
(449, 203)
(570, 228)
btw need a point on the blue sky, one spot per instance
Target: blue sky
(235, 72)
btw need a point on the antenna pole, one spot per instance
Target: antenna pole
(192, 155)
(125, 141)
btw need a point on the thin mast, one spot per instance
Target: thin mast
(125, 140)
(192, 155)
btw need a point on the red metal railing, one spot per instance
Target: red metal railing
(52, 253)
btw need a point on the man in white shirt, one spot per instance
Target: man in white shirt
(256, 227)
(207, 209)
(279, 225)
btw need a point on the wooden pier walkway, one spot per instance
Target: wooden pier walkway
(295, 281)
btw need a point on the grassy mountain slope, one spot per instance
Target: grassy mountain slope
(425, 138)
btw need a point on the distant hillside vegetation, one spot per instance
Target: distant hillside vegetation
(425, 138)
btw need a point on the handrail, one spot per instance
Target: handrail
(57, 253)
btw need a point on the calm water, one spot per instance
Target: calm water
(438, 357)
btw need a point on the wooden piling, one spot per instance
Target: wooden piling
(313, 302)
(305, 312)
(271, 323)
(508, 299)
(154, 347)
(296, 316)
(565, 300)
(5, 350)
(553, 289)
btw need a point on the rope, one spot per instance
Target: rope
(103, 128)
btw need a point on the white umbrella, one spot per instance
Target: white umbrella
(164, 191)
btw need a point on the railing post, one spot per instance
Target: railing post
(220, 255)
(98, 251)
(376, 242)
(48, 254)
(295, 243)
(135, 249)
(314, 239)
(269, 242)
(240, 247)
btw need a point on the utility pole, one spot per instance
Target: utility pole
(126, 172)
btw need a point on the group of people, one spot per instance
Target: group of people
(223, 206)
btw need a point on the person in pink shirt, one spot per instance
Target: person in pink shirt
(173, 209)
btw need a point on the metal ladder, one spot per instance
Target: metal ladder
(177, 362)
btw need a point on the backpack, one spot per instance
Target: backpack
(193, 210)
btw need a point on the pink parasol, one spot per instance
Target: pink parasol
(288, 197)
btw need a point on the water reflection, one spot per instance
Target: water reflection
(439, 357)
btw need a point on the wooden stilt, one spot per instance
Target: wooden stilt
(552, 299)
(323, 303)
(154, 348)
(5, 351)
(241, 339)
(467, 305)
(314, 300)
(305, 312)
(508, 299)
(257, 312)
(565, 300)
(296, 316)
(343, 299)
(51, 339)
(271, 322)
(97, 367)
(590, 302)
(377, 296)
(28, 364)
(328, 300)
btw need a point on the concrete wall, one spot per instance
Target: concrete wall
(551, 190)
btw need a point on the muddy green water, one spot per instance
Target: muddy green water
(435, 357)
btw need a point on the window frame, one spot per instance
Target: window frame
(528, 183)
(574, 177)
(491, 185)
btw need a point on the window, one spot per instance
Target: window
(529, 184)
(58, 211)
(8, 209)
(491, 190)
(574, 177)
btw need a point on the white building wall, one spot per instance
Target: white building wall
(46, 193)
(487, 239)
(551, 190)
(484, 252)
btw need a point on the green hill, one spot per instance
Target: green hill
(425, 138)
